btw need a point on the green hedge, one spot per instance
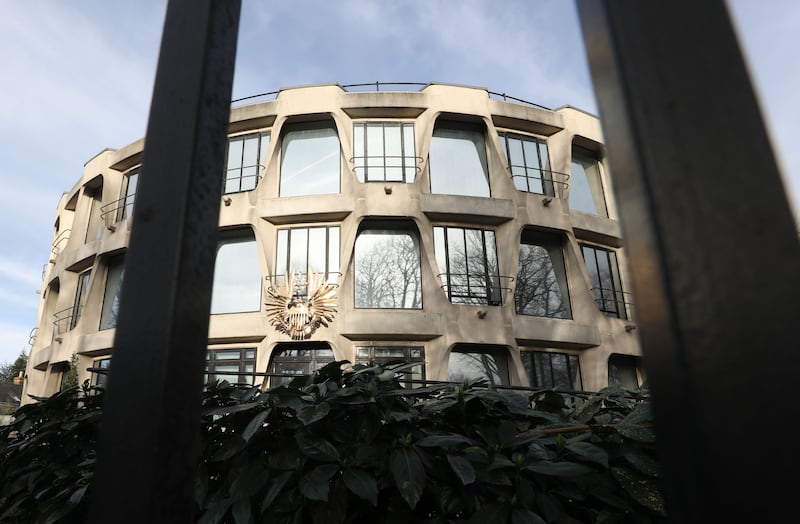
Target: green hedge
(354, 446)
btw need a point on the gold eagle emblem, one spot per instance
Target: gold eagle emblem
(296, 315)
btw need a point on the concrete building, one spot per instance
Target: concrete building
(438, 224)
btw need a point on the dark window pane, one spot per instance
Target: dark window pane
(541, 284)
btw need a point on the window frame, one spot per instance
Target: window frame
(210, 374)
(570, 359)
(408, 163)
(128, 198)
(545, 171)
(262, 153)
(493, 290)
(108, 317)
(553, 244)
(314, 361)
(408, 379)
(617, 291)
(283, 268)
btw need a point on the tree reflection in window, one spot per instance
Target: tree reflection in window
(467, 259)
(387, 269)
(297, 359)
(472, 364)
(541, 285)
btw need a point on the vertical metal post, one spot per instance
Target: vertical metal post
(150, 436)
(714, 254)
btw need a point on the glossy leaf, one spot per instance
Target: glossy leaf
(408, 473)
(361, 484)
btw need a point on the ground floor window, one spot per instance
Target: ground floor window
(100, 378)
(548, 369)
(624, 370)
(413, 377)
(477, 362)
(296, 359)
(233, 365)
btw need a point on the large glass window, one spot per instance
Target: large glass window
(296, 359)
(95, 225)
(116, 271)
(541, 286)
(381, 355)
(457, 160)
(471, 363)
(529, 163)
(310, 160)
(467, 259)
(384, 152)
(129, 196)
(387, 268)
(80, 297)
(601, 264)
(585, 185)
(552, 370)
(231, 365)
(237, 274)
(307, 250)
(246, 160)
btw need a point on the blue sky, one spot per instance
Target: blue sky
(78, 76)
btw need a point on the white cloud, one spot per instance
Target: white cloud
(20, 273)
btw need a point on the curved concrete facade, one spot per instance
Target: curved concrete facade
(472, 194)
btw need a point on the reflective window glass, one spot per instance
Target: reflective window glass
(116, 271)
(382, 355)
(129, 198)
(457, 160)
(475, 364)
(585, 185)
(310, 160)
(541, 285)
(80, 297)
(387, 269)
(304, 250)
(623, 371)
(290, 360)
(231, 365)
(237, 274)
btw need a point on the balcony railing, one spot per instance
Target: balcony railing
(117, 210)
(614, 302)
(58, 243)
(236, 183)
(463, 288)
(548, 183)
(366, 164)
(65, 320)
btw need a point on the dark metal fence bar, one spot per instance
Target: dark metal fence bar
(713, 251)
(149, 442)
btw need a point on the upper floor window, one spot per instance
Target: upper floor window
(246, 160)
(547, 369)
(384, 152)
(529, 163)
(80, 297)
(129, 195)
(95, 226)
(541, 285)
(472, 363)
(467, 259)
(232, 365)
(457, 160)
(601, 264)
(383, 355)
(237, 274)
(114, 276)
(387, 268)
(310, 160)
(308, 250)
(586, 186)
